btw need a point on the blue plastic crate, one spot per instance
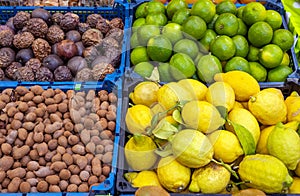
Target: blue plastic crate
(269, 4)
(120, 10)
(108, 186)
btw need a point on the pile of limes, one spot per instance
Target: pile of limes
(198, 42)
(185, 137)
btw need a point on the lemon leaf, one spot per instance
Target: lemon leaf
(245, 137)
(154, 75)
(165, 152)
(177, 116)
(223, 111)
(164, 130)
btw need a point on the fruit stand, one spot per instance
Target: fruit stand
(148, 98)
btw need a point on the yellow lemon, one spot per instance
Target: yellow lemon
(297, 170)
(237, 105)
(197, 87)
(156, 108)
(246, 119)
(284, 143)
(172, 175)
(245, 104)
(295, 187)
(268, 107)
(243, 84)
(211, 178)
(192, 148)
(261, 147)
(275, 91)
(143, 178)
(264, 172)
(221, 94)
(138, 118)
(292, 124)
(140, 152)
(171, 120)
(202, 116)
(145, 93)
(226, 145)
(293, 106)
(171, 93)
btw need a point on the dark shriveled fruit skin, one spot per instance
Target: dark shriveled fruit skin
(52, 61)
(66, 49)
(24, 55)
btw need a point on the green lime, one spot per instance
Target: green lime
(254, 12)
(180, 16)
(260, 34)
(173, 32)
(241, 45)
(243, 29)
(182, 66)
(237, 63)
(138, 55)
(175, 5)
(154, 7)
(270, 56)
(223, 47)
(145, 32)
(205, 41)
(141, 11)
(159, 48)
(186, 46)
(285, 60)
(144, 69)
(226, 6)
(205, 9)
(273, 19)
(283, 38)
(198, 57)
(156, 19)
(194, 26)
(211, 24)
(164, 74)
(207, 67)
(253, 53)
(239, 12)
(134, 42)
(139, 22)
(258, 71)
(279, 74)
(227, 24)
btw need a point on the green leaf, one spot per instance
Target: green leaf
(223, 111)
(245, 137)
(177, 116)
(154, 75)
(164, 130)
(165, 152)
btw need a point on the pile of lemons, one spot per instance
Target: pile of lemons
(187, 137)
